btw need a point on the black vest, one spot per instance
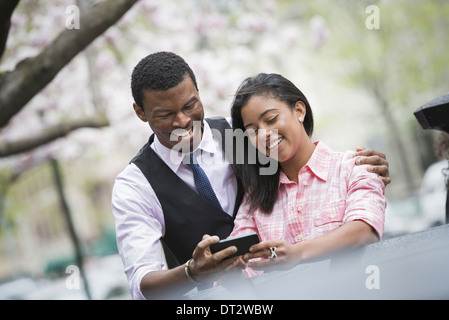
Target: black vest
(187, 215)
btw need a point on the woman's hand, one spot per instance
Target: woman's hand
(377, 161)
(350, 235)
(286, 255)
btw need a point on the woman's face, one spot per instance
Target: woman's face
(273, 127)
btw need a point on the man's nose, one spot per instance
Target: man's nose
(181, 120)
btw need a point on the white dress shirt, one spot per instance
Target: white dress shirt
(138, 213)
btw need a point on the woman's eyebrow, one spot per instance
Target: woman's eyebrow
(261, 115)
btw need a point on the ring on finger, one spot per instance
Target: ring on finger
(273, 253)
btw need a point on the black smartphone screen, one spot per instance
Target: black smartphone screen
(243, 243)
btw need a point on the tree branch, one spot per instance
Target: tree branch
(32, 74)
(50, 134)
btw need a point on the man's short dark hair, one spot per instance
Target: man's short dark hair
(159, 71)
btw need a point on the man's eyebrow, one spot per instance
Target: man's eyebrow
(185, 104)
(162, 110)
(190, 101)
(261, 115)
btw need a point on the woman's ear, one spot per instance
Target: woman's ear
(300, 109)
(139, 112)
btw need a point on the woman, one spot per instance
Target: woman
(318, 201)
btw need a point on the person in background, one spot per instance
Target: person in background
(442, 146)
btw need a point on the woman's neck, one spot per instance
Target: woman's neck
(292, 166)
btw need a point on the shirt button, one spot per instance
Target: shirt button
(305, 183)
(332, 216)
(298, 237)
(299, 208)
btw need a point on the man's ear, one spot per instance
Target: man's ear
(139, 112)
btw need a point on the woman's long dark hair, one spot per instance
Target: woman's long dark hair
(262, 190)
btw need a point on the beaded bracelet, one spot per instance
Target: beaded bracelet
(188, 273)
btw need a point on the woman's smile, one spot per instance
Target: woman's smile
(275, 143)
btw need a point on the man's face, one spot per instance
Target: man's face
(176, 108)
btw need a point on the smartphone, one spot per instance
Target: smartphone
(243, 243)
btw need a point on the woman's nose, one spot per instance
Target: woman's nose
(264, 136)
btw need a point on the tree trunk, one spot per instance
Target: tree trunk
(68, 218)
(396, 139)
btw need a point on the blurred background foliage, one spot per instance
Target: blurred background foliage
(363, 84)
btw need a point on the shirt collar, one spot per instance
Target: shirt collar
(173, 159)
(320, 160)
(318, 163)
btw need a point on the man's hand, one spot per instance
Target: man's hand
(377, 161)
(208, 267)
(203, 267)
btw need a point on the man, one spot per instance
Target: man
(156, 199)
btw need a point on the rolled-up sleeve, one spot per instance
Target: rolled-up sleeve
(366, 199)
(139, 226)
(245, 224)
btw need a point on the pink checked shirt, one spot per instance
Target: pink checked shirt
(331, 191)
